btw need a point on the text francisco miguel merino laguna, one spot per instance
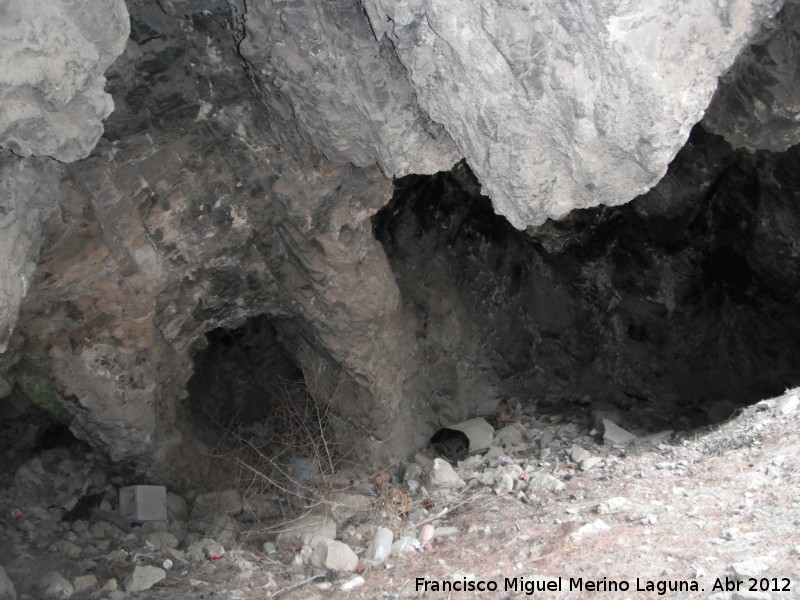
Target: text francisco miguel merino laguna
(531, 586)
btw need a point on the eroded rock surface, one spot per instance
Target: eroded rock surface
(195, 212)
(28, 193)
(571, 104)
(54, 54)
(756, 103)
(349, 93)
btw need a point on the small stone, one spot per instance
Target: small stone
(590, 463)
(442, 475)
(109, 586)
(595, 527)
(405, 544)
(752, 567)
(352, 584)
(381, 545)
(7, 590)
(118, 555)
(54, 585)
(615, 435)
(83, 583)
(117, 595)
(617, 504)
(731, 533)
(177, 509)
(494, 453)
(269, 548)
(68, 549)
(505, 485)
(544, 482)
(307, 526)
(790, 405)
(332, 554)
(143, 578)
(177, 555)
(578, 454)
(162, 539)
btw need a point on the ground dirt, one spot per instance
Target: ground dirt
(712, 513)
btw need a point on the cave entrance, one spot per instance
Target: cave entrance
(249, 399)
(671, 311)
(239, 379)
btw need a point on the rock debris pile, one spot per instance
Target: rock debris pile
(546, 469)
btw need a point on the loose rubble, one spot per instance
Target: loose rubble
(532, 484)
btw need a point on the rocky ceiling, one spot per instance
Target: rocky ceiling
(253, 142)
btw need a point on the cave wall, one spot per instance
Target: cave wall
(202, 207)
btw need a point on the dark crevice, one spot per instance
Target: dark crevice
(681, 300)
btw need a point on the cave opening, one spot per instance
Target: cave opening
(239, 379)
(671, 311)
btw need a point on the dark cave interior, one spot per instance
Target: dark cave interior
(679, 306)
(238, 376)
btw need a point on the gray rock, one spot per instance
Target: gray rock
(226, 502)
(177, 509)
(384, 125)
(615, 435)
(578, 454)
(617, 504)
(505, 484)
(54, 80)
(332, 554)
(28, 190)
(313, 525)
(143, 578)
(351, 584)
(380, 547)
(7, 590)
(752, 567)
(589, 529)
(162, 539)
(83, 583)
(269, 548)
(68, 549)
(481, 70)
(55, 585)
(544, 482)
(442, 475)
(346, 506)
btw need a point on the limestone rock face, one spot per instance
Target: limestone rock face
(196, 212)
(756, 104)
(566, 105)
(54, 53)
(28, 193)
(349, 93)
